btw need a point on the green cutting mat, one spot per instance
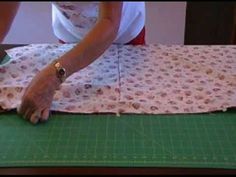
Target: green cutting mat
(194, 140)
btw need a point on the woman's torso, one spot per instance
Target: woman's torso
(73, 20)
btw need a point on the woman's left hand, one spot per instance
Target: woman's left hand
(37, 99)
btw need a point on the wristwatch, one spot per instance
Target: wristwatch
(60, 71)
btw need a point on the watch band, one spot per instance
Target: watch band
(60, 71)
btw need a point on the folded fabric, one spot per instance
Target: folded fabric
(94, 89)
(153, 79)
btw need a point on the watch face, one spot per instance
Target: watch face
(61, 71)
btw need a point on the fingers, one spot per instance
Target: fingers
(22, 109)
(40, 116)
(27, 114)
(24, 106)
(45, 115)
(35, 117)
(31, 113)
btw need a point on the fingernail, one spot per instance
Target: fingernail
(18, 109)
(34, 121)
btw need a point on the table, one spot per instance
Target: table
(124, 169)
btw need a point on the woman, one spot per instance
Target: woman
(94, 26)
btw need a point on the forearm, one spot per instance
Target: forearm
(90, 48)
(4, 28)
(8, 12)
(97, 40)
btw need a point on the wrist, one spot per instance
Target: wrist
(52, 76)
(60, 70)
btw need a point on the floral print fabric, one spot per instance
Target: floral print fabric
(152, 79)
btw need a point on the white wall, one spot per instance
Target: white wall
(165, 23)
(32, 24)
